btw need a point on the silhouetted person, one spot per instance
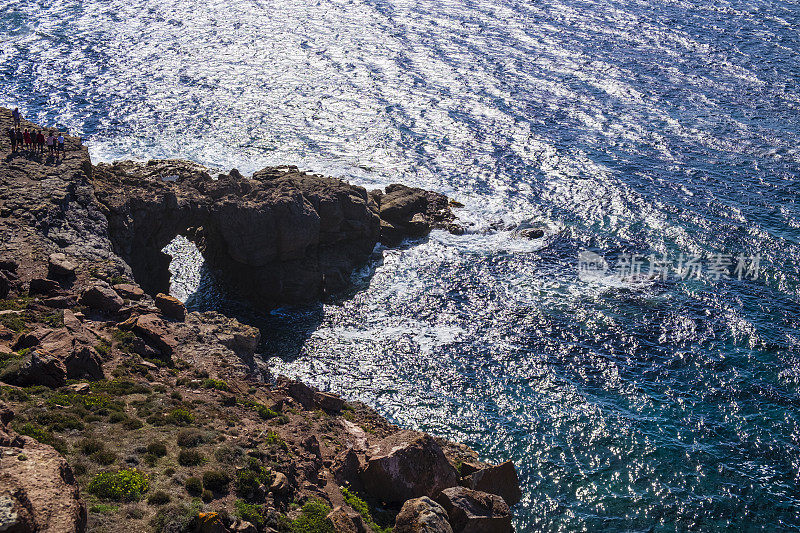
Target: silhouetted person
(12, 135)
(40, 141)
(51, 143)
(26, 139)
(20, 139)
(15, 114)
(61, 144)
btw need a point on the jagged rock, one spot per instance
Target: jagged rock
(170, 306)
(532, 233)
(129, 291)
(61, 302)
(241, 526)
(422, 515)
(410, 212)
(102, 298)
(59, 267)
(346, 520)
(328, 402)
(501, 479)
(80, 359)
(406, 465)
(36, 369)
(8, 265)
(40, 493)
(280, 484)
(472, 511)
(345, 468)
(47, 287)
(155, 331)
(5, 285)
(298, 390)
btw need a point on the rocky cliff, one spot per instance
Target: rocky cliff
(125, 412)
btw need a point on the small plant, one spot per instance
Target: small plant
(190, 458)
(90, 446)
(122, 485)
(194, 486)
(250, 512)
(103, 457)
(273, 439)
(361, 507)
(216, 481)
(217, 384)
(42, 435)
(180, 417)
(159, 449)
(132, 424)
(158, 498)
(103, 348)
(190, 438)
(313, 519)
(207, 496)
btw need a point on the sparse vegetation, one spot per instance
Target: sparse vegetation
(191, 458)
(122, 485)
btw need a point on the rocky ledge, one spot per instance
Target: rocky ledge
(122, 411)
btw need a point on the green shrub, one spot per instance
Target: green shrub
(217, 384)
(159, 449)
(228, 454)
(120, 387)
(216, 481)
(194, 486)
(158, 498)
(104, 508)
(55, 320)
(250, 479)
(190, 458)
(190, 438)
(122, 485)
(207, 496)
(103, 348)
(250, 512)
(132, 424)
(180, 417)
(59, 421)
(313, 519)
(13, 322)
(42, 435)
(361, 507)
(263, 411)
(273, 439)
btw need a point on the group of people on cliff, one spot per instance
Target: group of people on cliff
(32, 141)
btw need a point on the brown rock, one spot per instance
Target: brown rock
(5, 285)
(40, 493)
(346, 520)
(501, 479)
(280, 485)
(298, 390)
(155, 331)
(36, 369)
(241, 526)
(422, 515)
(129, 291)
(102, 298)
(472, 511)
(328, 402)
(170, 306)
(80, 359)
(406, 465)
(46, 287)
(59, 267)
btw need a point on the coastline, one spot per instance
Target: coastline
(102, 372)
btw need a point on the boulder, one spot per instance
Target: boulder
(422, 515)
(280, 484)
(532, 233)
(5, 285)
(501, 479)
(298, 390)
(129, 291)
(411, 212)
(170, 306)
(242, 526)
(406, 465)
(328, 402)
(346, 520)
(39, 493)
(472, 511)
(59, 267)
(154, 330)
(80, 360)
(345, 469)
(36, 369)
(101, 297)
(41, 286)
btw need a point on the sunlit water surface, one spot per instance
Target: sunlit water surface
(642, 127)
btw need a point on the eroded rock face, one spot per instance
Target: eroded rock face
(279, 237)
(422, 515)
(501, 479)
(38, 491)
(472, 511)
(406, 465)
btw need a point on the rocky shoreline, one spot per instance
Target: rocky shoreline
(121, 411)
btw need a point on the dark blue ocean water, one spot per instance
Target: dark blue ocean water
(622, 127)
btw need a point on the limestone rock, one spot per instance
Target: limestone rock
(501, 479)
(59, 267)
(406, 465)
(422, 515)
(102, 297)
(170, 306)
(472, 511)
